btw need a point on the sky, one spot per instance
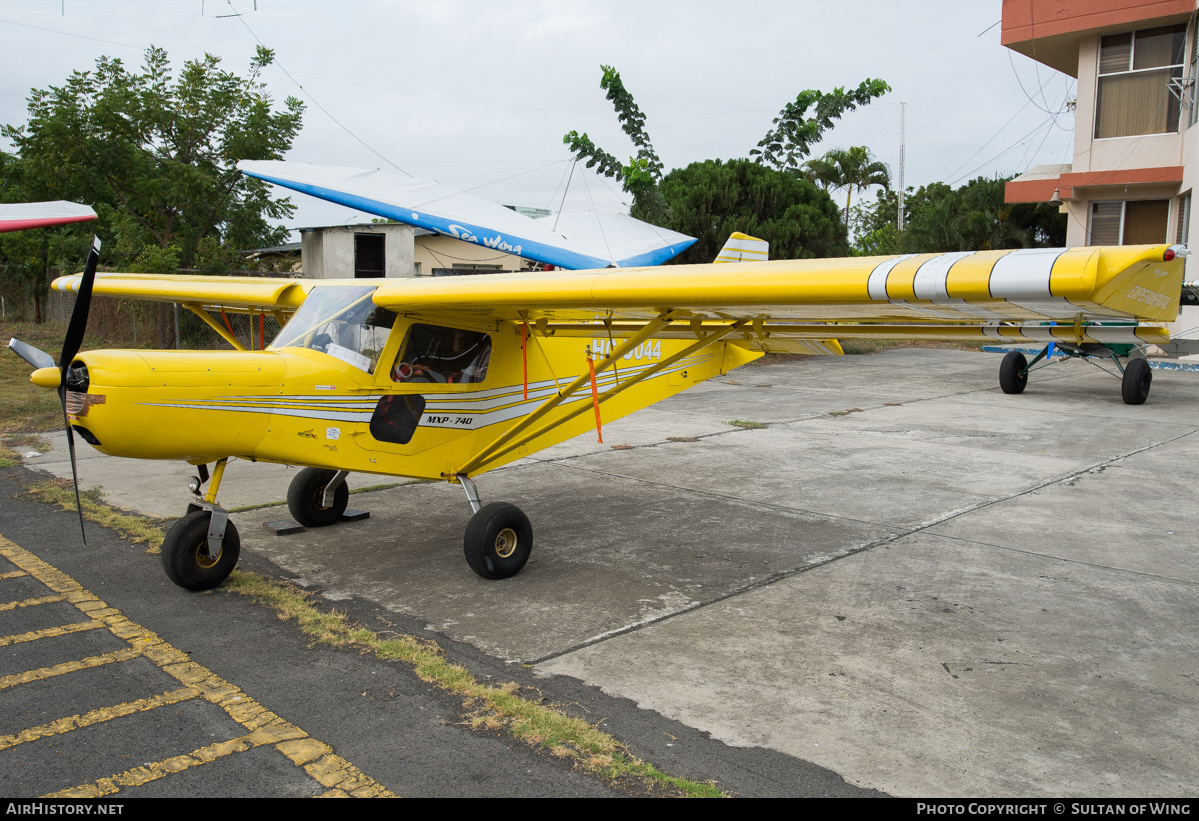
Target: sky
(477, 95)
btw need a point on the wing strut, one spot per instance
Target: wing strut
(212, 323)
(508, 442)
(548, 405)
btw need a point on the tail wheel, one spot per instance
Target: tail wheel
(1134, 387)
(498, 541)
(185, 553)
(306, 494)
(1013, 377)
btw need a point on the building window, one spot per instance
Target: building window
(1184, 219)
(1137, 222)
(1134, 75)
(370, 259)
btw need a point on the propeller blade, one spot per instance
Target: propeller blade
(83, 301)
(34, 356)
(70, 347)
(74, 471)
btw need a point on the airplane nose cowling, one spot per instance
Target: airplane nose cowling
(171, 404)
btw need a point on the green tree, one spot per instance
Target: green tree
(939, 218)
(156, 156)
(852, 169)
(798, 126)
(710, 200)
(795, 130)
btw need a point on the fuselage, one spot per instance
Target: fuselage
(421, 405)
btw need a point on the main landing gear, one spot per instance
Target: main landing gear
(1135, 376)
(317, 497)
(498, 538)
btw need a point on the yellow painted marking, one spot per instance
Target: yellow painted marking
(338, 776)
(65, 725)
(49, 632)
(12, 605)
(972, 275)
(68, 667)
(13, 574)
(901, 279)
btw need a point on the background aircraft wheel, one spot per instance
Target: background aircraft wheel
(304, 498)
(1135, 384)
(185, 553)
(1012, 377)
(498, 541)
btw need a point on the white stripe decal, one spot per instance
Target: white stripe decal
(930, 277)
(876, 285)
(1023, 274)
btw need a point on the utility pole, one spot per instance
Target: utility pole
(902, 145)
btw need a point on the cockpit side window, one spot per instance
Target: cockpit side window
(435, 354)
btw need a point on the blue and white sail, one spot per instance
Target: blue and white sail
(579, 240)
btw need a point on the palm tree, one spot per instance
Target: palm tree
(852, 169)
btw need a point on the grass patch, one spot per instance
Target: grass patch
(742, 423)
(137, 529)
(489, 706)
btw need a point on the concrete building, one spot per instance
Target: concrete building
(1136, 149)
(395, 250)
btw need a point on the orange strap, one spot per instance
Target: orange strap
(595, 396)
(227, 323)
(524, 353)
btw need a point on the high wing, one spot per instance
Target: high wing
(24, 215)
(574, 241)
(1081, 295)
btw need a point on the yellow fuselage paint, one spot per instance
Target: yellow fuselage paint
(302, 407)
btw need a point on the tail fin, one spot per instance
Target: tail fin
(744, 248)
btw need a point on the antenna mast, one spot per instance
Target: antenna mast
(902, 145)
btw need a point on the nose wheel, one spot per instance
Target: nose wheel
(189, 557)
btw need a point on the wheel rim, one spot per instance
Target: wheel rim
(505, 543)
(203, 559)
(318, 497)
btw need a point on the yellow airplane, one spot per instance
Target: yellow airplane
(448, 378)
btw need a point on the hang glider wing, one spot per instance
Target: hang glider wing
(579, 240)
(24, 215)
(1082, 295)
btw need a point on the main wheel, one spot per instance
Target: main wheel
(1134, 387)
(1012, 376)
(305, 494)
(498, 541)
(185, 553)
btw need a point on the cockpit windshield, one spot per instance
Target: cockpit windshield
(340, 321)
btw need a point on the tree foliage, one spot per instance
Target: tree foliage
(795, 131)
(790, 138)
(852, 169)
(940, 218)
(156, 156)
(712, 199)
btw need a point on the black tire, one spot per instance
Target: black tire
(305, 494)
(1134, 387)
(498, 541)
(1012, 376)
(185, 553)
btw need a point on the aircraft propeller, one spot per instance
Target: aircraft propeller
(70, 346)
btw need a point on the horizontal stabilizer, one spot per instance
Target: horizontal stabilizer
(35, 357)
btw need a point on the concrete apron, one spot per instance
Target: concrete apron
(908, 577)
